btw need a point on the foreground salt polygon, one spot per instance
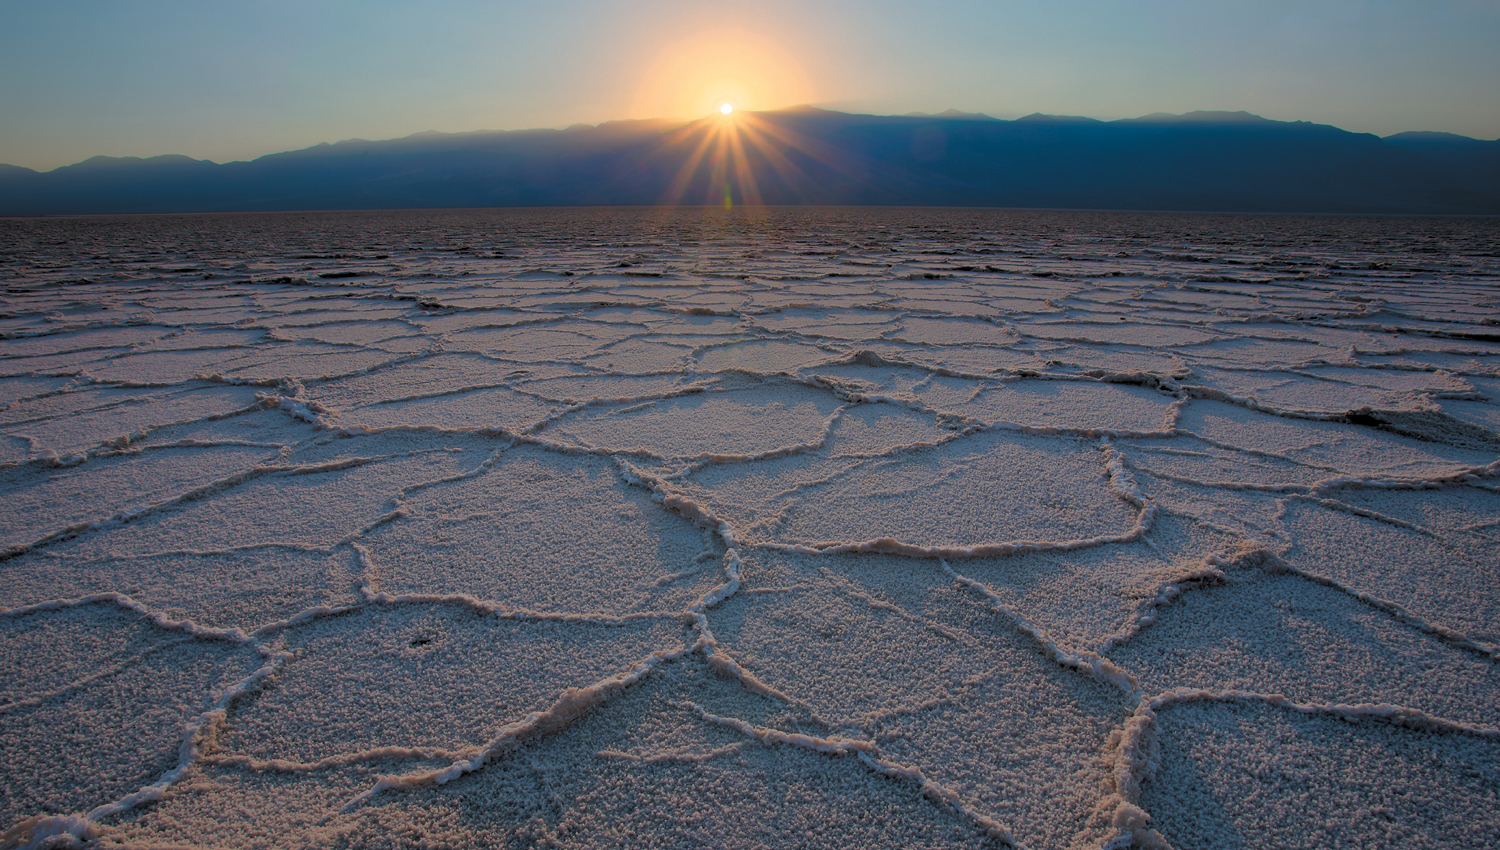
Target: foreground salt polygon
(778, 528)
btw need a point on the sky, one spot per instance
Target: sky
(236, 80)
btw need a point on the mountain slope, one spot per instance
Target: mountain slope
(1214, 161)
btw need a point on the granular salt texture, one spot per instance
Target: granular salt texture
(496, 408)
(733, 424)
(1243, 774)
(238, 588)
(1278, 633)
(925, 331)
(797, 527)
(657, 768)
(1421, 574)
(870, 430)
(434, 376)
(759, 356)
(1251, 515)
(47, 499)
(891, 650)
(106, 716)
(941, 498)
(82, 420)
(364, 333)
(1187, 460)
(572, 389)
(543, 531)
(423, 677)
(1049, 406)
(1466, 518)
(1126, 333)
(283, 502)
(641, 357)
(1344, 451)
(1093, 597)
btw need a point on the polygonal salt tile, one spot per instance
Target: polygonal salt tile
(984, 490)
(97, 701)
(547, 532)
(434, 675)
(1242, 774)
(1420, 573)
(877, 429)
(760, 356)
(44, 500)
(500, 407)
(715, 424)
(309, 507)
(244, 589)
(593, 786)
(1282, 634)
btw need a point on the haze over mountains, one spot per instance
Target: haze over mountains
(1209, 161)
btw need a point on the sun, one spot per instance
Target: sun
(726, 108)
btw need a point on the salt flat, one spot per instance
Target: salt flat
(752, 528)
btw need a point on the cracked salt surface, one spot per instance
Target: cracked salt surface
(886, 528)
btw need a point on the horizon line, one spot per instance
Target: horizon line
(950, 114)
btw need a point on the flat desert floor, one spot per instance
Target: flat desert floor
(752, 528)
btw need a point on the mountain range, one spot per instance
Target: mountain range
(1206, 161)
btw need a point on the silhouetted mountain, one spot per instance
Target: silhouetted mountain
(1216, 161)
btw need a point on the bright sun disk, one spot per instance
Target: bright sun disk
(726, 108)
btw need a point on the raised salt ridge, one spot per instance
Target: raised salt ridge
(787, 528)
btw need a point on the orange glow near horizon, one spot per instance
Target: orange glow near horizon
(702, 74)
(718, 80)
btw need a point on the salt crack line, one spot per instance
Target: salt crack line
(1085, 660)
(46, 830)
(892, 546)
(1273, 563)
(1134, 744)
(371, 595)
(376, 754)
(155, 617)
(84, 681)
(1396, 715)
(1210, 571)
(835, 745)
(941, 795)
(707, 643)
(195, 735)
(571, 705)
(1121, 482)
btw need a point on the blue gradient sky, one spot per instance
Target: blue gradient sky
(224, 81)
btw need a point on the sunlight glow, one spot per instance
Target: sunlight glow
(704, 72)
(730, 161)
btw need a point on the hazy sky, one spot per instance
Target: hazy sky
(235, 80)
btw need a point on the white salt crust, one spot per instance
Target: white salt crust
(789, 528)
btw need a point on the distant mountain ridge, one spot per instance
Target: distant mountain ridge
(1208, 161)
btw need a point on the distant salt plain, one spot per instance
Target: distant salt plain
(760, 528)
